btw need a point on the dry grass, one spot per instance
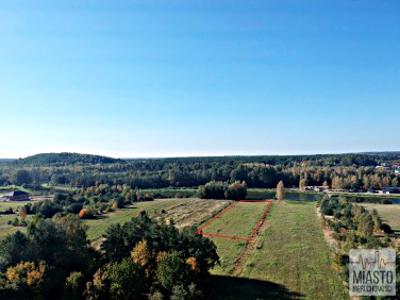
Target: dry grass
(183, 212)
(390, 213)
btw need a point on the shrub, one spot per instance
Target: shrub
(74, 286)
(212, 190)
(87, 213)
(236, 191)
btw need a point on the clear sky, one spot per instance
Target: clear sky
(174, 78)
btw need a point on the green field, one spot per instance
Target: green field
(184, 212)
(390, 213)
(239, 220)
(294, 259)
(12, 204)
(295, 254)
(228, 251)
(6, 229)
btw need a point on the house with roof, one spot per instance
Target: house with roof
(17, 196)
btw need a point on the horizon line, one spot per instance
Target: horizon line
(209, 155)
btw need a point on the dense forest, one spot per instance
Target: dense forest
(65, 158)
(358, 172)
(140, 259)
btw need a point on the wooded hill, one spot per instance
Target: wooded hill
(66, 158)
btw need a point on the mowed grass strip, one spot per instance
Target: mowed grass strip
(239, 221)
(295, 255)
(390, 213)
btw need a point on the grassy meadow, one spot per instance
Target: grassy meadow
(292, 258)
(390, 213)
(238, 221)
(184, 212)
(6, 229)
(295, 255)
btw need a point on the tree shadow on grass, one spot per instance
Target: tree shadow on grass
(232, 288)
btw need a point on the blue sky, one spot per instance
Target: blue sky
(175, 78)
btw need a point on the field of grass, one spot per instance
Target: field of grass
(6, 229)
(390, 213)
(184, 212)
(239, 220)
(294, 254)
(13, 204)
(228, 251)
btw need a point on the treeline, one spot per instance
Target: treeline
(221, 190)
(65, 158)
(141, 259)
(354, 227)
(88, 203)
(350, 171)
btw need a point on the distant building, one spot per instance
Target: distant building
(316, 188)
(17, 196)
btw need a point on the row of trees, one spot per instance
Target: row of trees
(341, 171)
(353, 227)
(222, 190)
(141, 259)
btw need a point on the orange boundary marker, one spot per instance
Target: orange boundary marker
(254, 231)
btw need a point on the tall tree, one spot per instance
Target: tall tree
(280, 191)
(302, 184)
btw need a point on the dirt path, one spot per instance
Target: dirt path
(327, 233)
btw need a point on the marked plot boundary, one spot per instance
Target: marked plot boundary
(254, 231)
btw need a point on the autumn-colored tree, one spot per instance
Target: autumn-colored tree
(22, 213)
(358, 211)
(366, 225)
(119, 280)
(376, 219)
(83, 213)
(141, 254)
(280, 191)
(395, 181)
(302, 184)
(114, 205)
(192, 262)
(26, 275)
(161, 256)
